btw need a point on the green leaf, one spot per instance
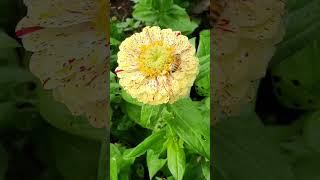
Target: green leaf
(114, 155)
(7, 41)
(311, 130)
(206, 169)
(113, 169)
(149, 116)
(119, 166)
(73, 156)
(162, 119)
(191, 126)
(154, 139)
(244, 151)
(15, 75)
(176, 158)
(204, 44)
(154, 163)
(14, 117)
(115, 94)
(162, 5)
(133, 112)
(202, 82)
(102, 171)
(59, 116)
(164, 14)
(307, 167)
(3, 162)
(6, 111)
(114, 41)
(176, 18)
(144, 11)
(194, 168)
(302, 27)
(9, 57)
(296, 79)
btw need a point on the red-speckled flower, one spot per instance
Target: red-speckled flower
(157, 66)
(244, 37)
(69, 42)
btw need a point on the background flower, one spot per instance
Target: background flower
(70, 50)
(245, 36)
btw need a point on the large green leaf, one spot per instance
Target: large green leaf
(244, 151)
(202, 82)
(7, 42)
(6, 111)
(74, 157)
(296, 79)
(206, 169)
(176, 158)
(302, 27)
(15, 75)
(154, 163)
(191, 126)
(119, 166)
(204, 44)
(194, 169)
(133, 111)
(114, 155)
(164, 13)
(177, 18)
(311, 130)
(59, 116)
(149, 114)
(157, 138)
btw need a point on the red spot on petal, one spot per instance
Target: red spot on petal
(225, 29)
(45, 81)
(82, 68)
(119, 70)
(178, 33)
(28, 30)
(224, 22)
(88, 84)
(71, 60)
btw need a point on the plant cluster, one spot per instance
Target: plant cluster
(170, 141)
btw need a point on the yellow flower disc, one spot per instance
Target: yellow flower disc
(157, 66)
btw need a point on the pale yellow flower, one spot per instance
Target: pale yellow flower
(244, 39)
(157, 66)
(69, 42)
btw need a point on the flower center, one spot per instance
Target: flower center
(155, 59)
(101, 22)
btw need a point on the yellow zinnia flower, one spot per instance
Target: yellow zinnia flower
(70, 49)
(244, 37)
(157, 66)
